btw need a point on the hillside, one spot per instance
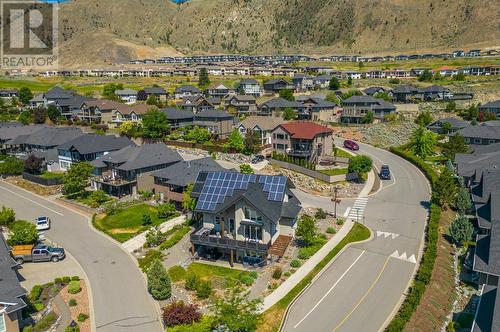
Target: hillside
(115, 31)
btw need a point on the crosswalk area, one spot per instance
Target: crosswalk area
(357, 211)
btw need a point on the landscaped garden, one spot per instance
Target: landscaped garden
(123, 221)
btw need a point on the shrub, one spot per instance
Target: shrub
(75, 278)
(178, 313)
(166, 210)
(192, 281)
(38, 306)
(246, 280)
(153, 237)
(82, 317)
(70, 328)
(159, 285)
(177, 273)
(277, 272)
(254, 274)
(72, 302)
(28, 328)
(35, 293)
(46, 322)
(295, 263)
(66, 279)
(340, 221)
(204, 290)
(146, 220)
(287, 274)
(58, 281)
(74, 287)
(320, 214)
(22, 232)
(331, 230)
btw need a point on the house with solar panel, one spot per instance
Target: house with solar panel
(244, 218)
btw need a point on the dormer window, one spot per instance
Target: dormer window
(251, 214)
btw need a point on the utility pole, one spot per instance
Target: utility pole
(335, 200)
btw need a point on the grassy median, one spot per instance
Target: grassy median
(271, 319)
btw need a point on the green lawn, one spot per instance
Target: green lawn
(335, 171)
(271, 318)
(128, 222)
(343, 153)
(51, 175)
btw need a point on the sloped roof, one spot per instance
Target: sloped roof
(93, 143)
(249, 81)
(155, 90)
(173, 113)
(10, 132)
(137, 157)
(305, 129)
(491, 104)
(487, 132)
(454, 122)
(187, 88)
(49, 136)
(213, 113)
(263, 122)
(126, 92)
(185, 172)
(105, 104)
(281, 103)
(11, 291)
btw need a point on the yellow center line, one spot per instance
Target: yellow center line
(364, 296)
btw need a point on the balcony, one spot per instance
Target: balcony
(113, 181)
(203, 237)
(299, 153)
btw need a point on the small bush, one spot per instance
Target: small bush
(295, 263)
(287, 274)
(35, 293)
(75, 278)
(70, 328)
(204, 290)
(46, 322)
(72, 302)
(74, 287)
(192, 281)
(320, 214)
(246, 280)
(38, 306)
(331, 230)
(340, 222)
(28, 328)
(82, 317)
(178, 313)
(277, 272)
(66, 280)
(58, 281)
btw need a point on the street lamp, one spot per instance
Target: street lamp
(335, 200)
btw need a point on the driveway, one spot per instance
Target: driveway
(120, 298)
(363, 287)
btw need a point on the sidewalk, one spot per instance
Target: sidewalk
(309, 265)
(139, 240)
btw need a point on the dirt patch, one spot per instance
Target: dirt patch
(439, 295)
(82, 305)
(352, 133)
(33, 187)
(124, 230)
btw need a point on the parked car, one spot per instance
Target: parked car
(385, 172)
(257, 159)
(42, 223)
(39, 253)
(351, 145)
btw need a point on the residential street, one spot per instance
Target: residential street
(120, 298)
(363, 286)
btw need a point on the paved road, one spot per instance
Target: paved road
(364, 285)
(121, 300)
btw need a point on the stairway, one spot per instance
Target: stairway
(279, 246)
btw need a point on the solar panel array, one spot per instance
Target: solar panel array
(274, 186)
(219, 185)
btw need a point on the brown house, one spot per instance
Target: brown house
(217, 122)
(302, 139)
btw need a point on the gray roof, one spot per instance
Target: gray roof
(491, 104)
(258, 198)
(373, 102)
(249, 81)
(492, 123)
(454, 122)
(9, 132)
(487, 255)
(489, 182)
(436, 89)
(138, 157)
(488, 311)
(266, 123)
(247, 98)
(155, 90)
(58, 93)
(486, 132)
(187, 88)
(185, 172)
(374, 89)
(173, 113)
(93, 143)
(213, 113)
(74, 101)
(319, 102)
(475, 163)
(281, 103)
(48, 136)
(11, 291)
(406, 89)
(489, 211)
(126, 92)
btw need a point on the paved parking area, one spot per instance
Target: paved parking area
(40, 273)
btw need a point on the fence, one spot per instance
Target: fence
(314, 174)
(43, 181)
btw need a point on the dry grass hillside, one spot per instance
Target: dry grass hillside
(114, 31)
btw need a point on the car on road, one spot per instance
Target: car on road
(39, 253)
(42, 223)
(257, 159)
(385, 172)
(351, 145)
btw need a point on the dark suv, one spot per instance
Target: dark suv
(385, 172)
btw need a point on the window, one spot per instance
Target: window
(252, 214)
(253, 233)
(492, 141)
(232, 227)
(280, 146)
(477, 140)
(280, 136)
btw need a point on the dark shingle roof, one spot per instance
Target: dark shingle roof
(281, 103)
(155, 90)
(249, 81)
(186, 172)
(49, 136)
(488, 311)
(486, 132)
(187, 88)
(137, 157)
(213, 113)
(454, 122)
(92, 143)
(491, 104)
(11, 291)
(173, 113)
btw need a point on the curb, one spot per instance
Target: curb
(320, 273)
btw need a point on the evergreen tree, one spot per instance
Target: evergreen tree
(461, 230)
(159, 285)
(423, 142)
(334, 83)
(463, 202)
(25, 95)
(203, 79)
(445, 188)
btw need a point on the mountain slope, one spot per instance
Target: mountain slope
(115, 31)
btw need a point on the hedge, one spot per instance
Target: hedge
(174, 239)
(424, 272)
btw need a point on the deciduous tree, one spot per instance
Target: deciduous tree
(33, 164)
(25, 95)
(306, 229)
(7, 216)
(235, 141)
(155, 124)
(77, 178)
(235, 312)
(360, 165)
(334, 83)
(423, 142)
(287, 94)
(22, 232)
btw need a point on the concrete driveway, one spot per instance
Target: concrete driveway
(364, 286)
(120, 298)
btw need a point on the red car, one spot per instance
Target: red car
(351, 145)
